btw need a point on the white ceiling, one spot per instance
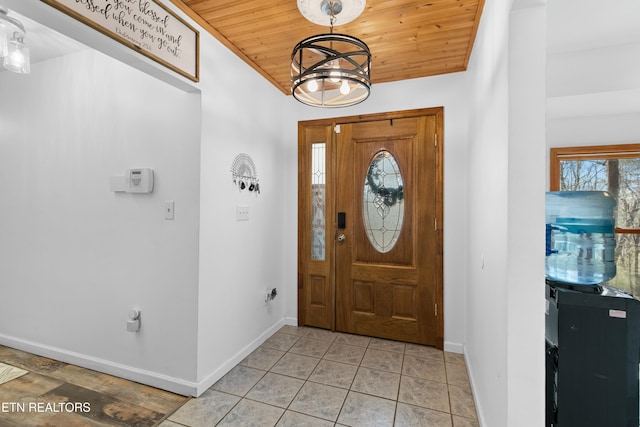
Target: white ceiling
(575, 25)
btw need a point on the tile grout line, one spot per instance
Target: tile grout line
(245, 394)
(446, 378)
(166, 417)
(285, 352)
(349, 389)
(300, 389)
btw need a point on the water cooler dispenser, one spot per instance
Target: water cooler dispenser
(592, 330)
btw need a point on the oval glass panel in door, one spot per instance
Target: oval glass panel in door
(383, 201)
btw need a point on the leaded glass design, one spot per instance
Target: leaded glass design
(383, 201)
(318, 205)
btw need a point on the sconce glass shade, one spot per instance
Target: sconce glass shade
(4, 47)
(12, 47)
(17, 59)
(331, 70)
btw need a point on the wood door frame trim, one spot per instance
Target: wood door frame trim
(438, 112)
(374, 117)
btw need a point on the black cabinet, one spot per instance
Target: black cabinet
(592, 357)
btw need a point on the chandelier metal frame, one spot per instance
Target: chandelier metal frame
(331, 70)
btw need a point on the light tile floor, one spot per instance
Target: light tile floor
(312, 377)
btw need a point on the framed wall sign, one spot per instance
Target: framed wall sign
(146, 26)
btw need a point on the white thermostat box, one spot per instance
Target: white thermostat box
(134, 181)
(139, 180)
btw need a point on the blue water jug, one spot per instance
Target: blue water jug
(580, 237)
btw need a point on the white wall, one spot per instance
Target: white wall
(505, 323)
(594, 96)
(525, 271)
(591, 98)
(241, 113)
(223, 317)
(235, 119)
(593, 74)
(448, 91)
(202, 277)
(487, 187)
(74, 256)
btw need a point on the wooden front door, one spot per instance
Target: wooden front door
(379, 272)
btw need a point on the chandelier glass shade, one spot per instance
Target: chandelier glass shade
(331, 70)
(14, 53)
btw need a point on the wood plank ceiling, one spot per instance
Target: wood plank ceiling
(408, 39)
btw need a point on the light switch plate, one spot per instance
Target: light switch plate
(242, 213)
(169, 209)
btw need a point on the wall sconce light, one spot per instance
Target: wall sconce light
(13, 51)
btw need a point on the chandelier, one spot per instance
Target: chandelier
(331, 70)
(13, 51)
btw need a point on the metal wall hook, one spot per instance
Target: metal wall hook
(244, 175)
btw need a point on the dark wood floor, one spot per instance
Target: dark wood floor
(56, 394)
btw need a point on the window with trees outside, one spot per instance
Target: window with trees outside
(615, 169)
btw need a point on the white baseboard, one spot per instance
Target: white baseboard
(165, 382)
(154, 379)
(214, 376)
(291, 321)
(453, 347)
(474, 390)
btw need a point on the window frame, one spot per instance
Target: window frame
(604, 152)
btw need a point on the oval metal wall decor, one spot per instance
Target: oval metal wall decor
(383, 201)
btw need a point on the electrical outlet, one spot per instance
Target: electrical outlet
(133, 324)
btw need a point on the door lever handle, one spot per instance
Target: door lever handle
(341, 237)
